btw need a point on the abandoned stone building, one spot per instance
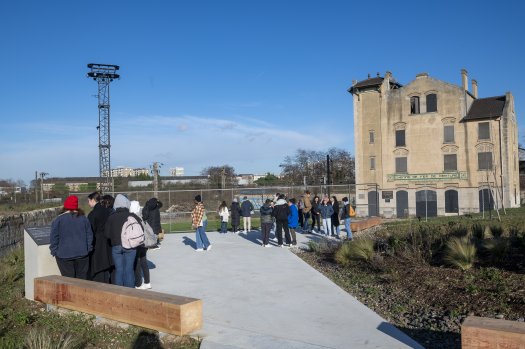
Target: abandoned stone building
(433, 148)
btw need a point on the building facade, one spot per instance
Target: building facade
(177, 171)
(433, 148)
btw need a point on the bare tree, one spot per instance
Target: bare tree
(312, 166)
(220, 176)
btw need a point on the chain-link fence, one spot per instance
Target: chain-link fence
(178, 204)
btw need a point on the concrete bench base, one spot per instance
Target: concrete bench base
(154, 310)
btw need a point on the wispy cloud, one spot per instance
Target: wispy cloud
(193, 142)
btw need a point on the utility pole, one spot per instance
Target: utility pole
(42, 176)
(223, 178)
(328, 179)
(156, 167)
(36, 189)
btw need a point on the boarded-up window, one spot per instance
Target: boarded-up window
(448, 132)
(401, 165)
(485, 161)
(414, 105)
(371, 134)
(372, 163)
(483, 130)
(451, 162)
(400, 138)
(432, 103)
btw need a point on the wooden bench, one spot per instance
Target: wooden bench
(485, 333)
(154, 310)
(364, 224)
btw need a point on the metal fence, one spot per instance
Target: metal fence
(12, 227)
(177, 204)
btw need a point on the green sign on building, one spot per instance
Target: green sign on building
(444, 176)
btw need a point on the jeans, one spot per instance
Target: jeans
(327, 225)
(305, 221)
(265, 229)
(224, 227)
(141, 266)
(348, 230)
(316, 218)
(201, 237)
(74, 268)
(124, 261)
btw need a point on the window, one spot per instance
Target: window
(401, 165)
(451, 201)
(451, 162)
(400, 138)
(371, 133)
(432, 103)
(448, 134)
(485, 161)
(414, 105)
(372, 163)
(483, 130)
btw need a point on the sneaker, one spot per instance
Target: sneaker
(199, 250)
(267, 245)
(208, 248)
(144, 286)
(138, 287)
(156, 247)
(274, 239)
(285, 246)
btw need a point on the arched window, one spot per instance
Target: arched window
(432, 103)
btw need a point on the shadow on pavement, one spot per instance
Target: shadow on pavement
(189, 242)
(431, 339)
(252, 236)
(396, 333)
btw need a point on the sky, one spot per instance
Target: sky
(238, 82)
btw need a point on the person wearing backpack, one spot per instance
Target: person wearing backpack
(141, 261)
(123, 258)
(71, 240)
(345, 216)
(281, 211)
(199, 223)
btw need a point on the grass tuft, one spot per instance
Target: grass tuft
(361, 249)
(460, 253)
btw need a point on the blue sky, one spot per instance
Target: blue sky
(243, 83)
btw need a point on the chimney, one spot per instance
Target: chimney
(464, 79)
(475, 88)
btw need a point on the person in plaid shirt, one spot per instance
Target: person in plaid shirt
(199, 222)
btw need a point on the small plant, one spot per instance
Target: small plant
(362, 249)
(313, 246)
(477, 231)
(39, 338)
(496, 249)
(497, 231)
(460, 253)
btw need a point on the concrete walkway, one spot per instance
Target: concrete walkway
(255, 297)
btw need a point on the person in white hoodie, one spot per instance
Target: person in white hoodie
(141, 261)
(224, 213)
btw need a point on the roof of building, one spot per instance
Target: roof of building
(484, 108)
(371, 82)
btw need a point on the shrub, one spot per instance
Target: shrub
(362, 249)
(39, 338)
(497, 231)
(460, 252)
(496, 249)
(477, 231)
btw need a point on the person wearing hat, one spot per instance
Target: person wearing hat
(199, 223)
(71, 240)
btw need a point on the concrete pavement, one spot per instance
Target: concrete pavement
(255, 297)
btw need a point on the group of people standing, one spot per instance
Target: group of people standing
(91, 247)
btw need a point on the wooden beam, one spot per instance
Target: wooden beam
(154, 310)
(357, 226)
(484, 333)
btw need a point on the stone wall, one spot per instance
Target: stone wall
(12, 227)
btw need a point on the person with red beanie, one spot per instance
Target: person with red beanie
(71, 240)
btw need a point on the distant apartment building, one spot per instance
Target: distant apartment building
(177, 171)
(245, 179)
(433, 148)
(128, 172)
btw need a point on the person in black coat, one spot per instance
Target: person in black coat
(151, 214)
(100, 263)
(281, 211)
(335, 217)
(236, 215)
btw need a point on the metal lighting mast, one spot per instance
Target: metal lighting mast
(104, 74)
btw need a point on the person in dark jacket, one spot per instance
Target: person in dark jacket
(246, 213)
(266, 222)
(151, 214)
(100, 263)
(335, 217)
(71, 240)
(316, 214)
(326, 211)
(345, 216)
(235, 211)
(281, 211)
(293, 220)
(123, 258)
